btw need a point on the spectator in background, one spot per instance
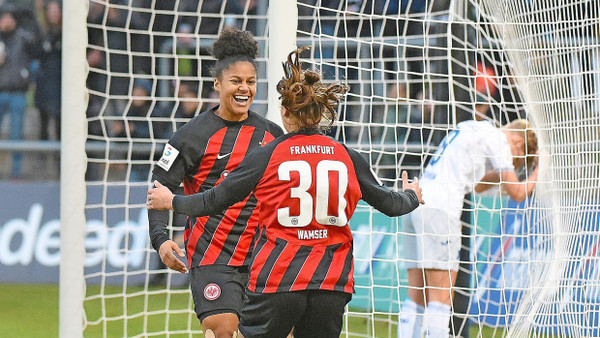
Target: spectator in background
(482, 108)
(169, 118)
(48, 77)
(421, 120)
(17, 50)
(401, 19)
(237, 13)
(136, 128)
(113, 52)
(189, 103)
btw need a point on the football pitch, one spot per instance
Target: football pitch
(32, 311)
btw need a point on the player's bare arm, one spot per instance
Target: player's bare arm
(488, 181)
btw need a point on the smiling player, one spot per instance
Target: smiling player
(308, 186)
(200, 154)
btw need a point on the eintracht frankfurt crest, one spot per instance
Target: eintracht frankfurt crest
(212, 291)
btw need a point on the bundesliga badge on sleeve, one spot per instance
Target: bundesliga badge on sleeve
(168, 157)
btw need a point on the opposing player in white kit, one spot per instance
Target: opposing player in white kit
(473, 154)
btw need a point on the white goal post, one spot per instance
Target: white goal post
(72, 171)
(133, 69)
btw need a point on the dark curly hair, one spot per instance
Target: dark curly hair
(232, 46)
(303, 95)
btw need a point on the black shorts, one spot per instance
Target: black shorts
(312, 314)
(218, 289)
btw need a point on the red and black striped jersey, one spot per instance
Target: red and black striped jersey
(201, 154)
(307, 186)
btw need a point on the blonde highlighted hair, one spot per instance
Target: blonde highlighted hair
(524, 128)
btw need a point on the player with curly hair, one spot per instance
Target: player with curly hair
(200, 155)
(307, 186)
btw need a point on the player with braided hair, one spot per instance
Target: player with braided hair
(307, 186)
(200, 154)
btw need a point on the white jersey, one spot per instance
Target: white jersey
(461, 160)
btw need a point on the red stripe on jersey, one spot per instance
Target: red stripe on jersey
(349, 287)
(259, 263)
(208, 160)
(227, 222)
(268, 138)
(240, 149)
(308, 269)
(284, 259)
(239, 256)
(337, 265)
(195, 234)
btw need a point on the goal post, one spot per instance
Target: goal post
(282, 40)
(415, 68)
(72, 170)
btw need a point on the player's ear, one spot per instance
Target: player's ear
(217, 84)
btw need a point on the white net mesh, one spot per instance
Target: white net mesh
(416, 68)
(149, 73)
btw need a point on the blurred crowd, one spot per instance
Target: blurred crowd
(150, 71)
(30, 69)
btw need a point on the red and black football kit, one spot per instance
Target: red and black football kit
(307, 186)
(200, 154)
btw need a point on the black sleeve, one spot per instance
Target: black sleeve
(388, 202)
(234, 188)
(158, 221)
(174, 176)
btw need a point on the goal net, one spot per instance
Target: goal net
(416, 68)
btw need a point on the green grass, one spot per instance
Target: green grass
(32, 311)
(28, 310)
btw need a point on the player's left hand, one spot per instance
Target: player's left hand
(160, 197)
(414, 185)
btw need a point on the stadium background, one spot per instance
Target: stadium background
(31, 257)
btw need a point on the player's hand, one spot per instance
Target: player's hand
(160, 198)
(167, 253)
(414, 185)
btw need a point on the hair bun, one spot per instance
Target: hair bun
(311, 77)
(234, 42)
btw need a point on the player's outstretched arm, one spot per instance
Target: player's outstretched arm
(234, 188)
(376, 194)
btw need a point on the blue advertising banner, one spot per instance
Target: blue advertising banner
(116, 241)
(509, 243)
(377, 273)
(517, 260)
(502, 270)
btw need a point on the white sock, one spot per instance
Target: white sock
(437, 319)
(411, 317)
(418, 333)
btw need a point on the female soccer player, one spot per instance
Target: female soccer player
(307, 186)
(200, 154)
(475, 152)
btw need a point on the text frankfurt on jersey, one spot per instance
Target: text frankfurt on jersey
(312, 234)
(311, 149)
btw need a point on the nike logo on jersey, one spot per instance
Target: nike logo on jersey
(220, 157)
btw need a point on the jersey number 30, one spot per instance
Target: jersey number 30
(321, 198)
